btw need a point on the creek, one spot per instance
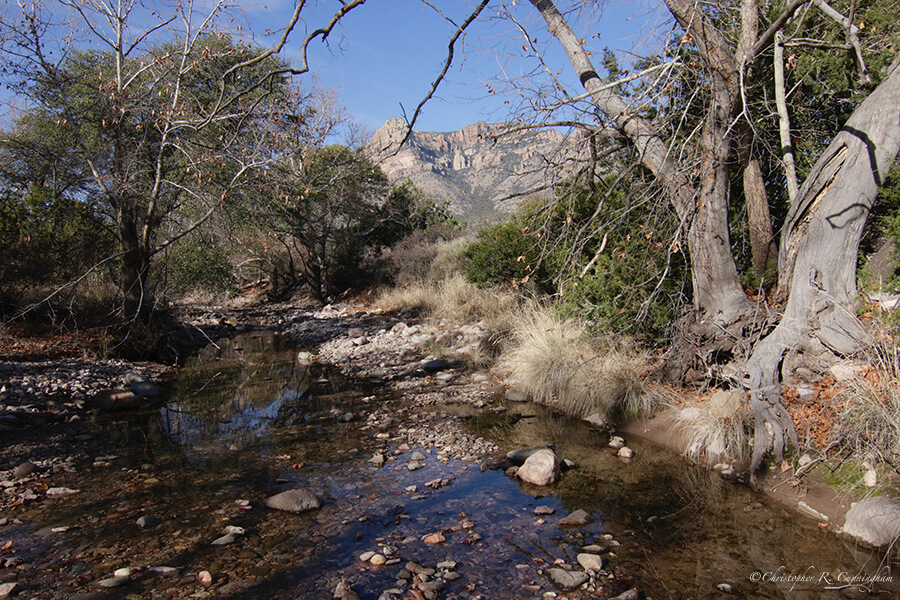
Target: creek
(245, 421)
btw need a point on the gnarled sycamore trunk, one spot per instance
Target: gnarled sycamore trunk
(820, 244)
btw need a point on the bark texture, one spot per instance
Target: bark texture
(820, 244)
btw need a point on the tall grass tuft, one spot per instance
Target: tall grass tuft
(550, 359)
(718, 428)
(869, 406)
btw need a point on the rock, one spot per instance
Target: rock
(417, 456)
(145, 389)
(123, 572)
(597, 419)
(228, 538)
(304, 359)
(414, 465)
(625, 452)
(9, 589)
(516, 395)
(296, 501)
(356, 332)
(433, 366)
(541, 468)
(544, 510)
(576, 518)
(377, 460)
(616, 442)
(205, 577)
(518, 457)
(631, 594)
(24, 470)
(875, 521)
(870, 479)
(115, 400)
(590, 562)
(343, 591)
(378, 559)
(726, 588)
(111, 582)
(567, 580)
(147, 521)
(134, 377)
(60, 491)
(435, 538)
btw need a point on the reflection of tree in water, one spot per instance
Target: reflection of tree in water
(139, 433)
(238, 389)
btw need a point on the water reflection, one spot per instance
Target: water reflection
(695, 530)
(237, 391)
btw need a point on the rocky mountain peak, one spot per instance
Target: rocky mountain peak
(481, 169)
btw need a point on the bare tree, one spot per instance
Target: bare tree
(165, 113)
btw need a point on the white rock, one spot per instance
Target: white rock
(590, 562)
(541, 468)
(616, 442)
(625, 452)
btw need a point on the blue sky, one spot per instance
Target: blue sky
(387, 53)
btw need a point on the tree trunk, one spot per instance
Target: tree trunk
(718, 296)
(820, 243)
(136, 297)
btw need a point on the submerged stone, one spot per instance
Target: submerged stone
(567, 580)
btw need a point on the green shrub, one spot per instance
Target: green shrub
(503, 254)
(196, 266)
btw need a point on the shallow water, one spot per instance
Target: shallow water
(246, 421)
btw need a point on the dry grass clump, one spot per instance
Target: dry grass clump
(717, 428)
(455, 299)
(869, 407)
(550, 359)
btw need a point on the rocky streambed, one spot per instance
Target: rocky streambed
(390, 450)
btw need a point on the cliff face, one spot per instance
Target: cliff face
(473, 168)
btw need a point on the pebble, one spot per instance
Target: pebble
(434, 538)
(590, 562)
(24, 470)
(9, 589)
(625, 452)
(567, 580)
(112, 582)
(147, 521)
(575, 519)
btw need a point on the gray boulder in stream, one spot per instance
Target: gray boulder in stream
(875, 521)
(295, 501)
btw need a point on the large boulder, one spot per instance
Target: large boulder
(875, 521)
(541, 468)
(295, 501)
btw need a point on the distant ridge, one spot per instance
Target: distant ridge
(477, 169)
